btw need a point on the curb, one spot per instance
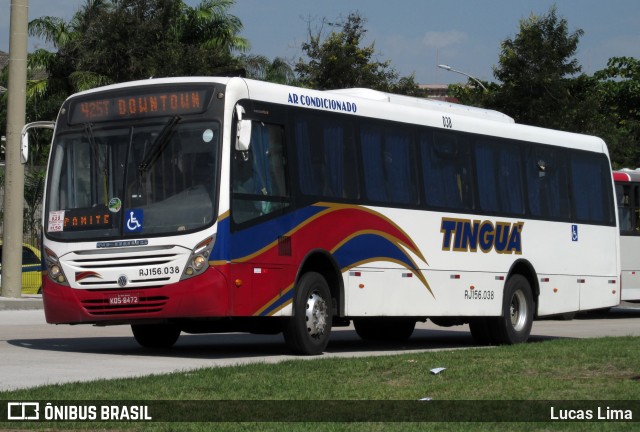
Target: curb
(26, 302)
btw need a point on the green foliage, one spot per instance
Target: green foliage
(137, 39)
(122, 40)
(619, 91)
(338, 61)
(541, 85)
(535, 68)
(33, 193)
(261, 68)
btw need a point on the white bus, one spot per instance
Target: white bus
(225, 204)
(627, 183)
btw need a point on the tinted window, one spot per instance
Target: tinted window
(498, 177)
(389, 168)
(547, 183)
(326, 157)
(625, 207)
(591, 188)
(259, 184)
(446, 171)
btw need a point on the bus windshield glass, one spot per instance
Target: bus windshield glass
(132, 179)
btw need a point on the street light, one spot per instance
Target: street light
(450, 69)
(2, 89)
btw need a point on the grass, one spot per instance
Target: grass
(605, 369)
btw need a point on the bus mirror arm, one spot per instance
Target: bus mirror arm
(24, 141)
(243, 133)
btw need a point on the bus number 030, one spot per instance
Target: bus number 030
(446, 122)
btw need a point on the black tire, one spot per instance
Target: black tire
(388, 329)
(307, 332)
(481, 330)
(514, 326)
(155, 335)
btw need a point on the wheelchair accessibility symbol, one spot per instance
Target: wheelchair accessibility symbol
(135, 219)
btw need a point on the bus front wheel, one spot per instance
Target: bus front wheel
(307, 331)
(514, 326)
(155, 335)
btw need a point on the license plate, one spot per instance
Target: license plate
(124, 299)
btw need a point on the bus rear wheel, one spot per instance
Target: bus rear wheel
(514, 326)
(156, 335)
(307, 331)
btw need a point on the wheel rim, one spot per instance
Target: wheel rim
(518, 310)
(316, 315)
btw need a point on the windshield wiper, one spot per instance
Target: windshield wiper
(157, 147)
(101, 166)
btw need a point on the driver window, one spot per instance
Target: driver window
(259, 185)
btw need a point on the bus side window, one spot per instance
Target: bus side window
(447, 171)
(498, 177)
(388, 159)
(591, 195)
(326, 159)
(547, 183)
(624, 207)
(259, 185)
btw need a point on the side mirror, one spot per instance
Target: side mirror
(243, 133)
(24, 140)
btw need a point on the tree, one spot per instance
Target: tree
(619, 91)
(261, 68)
(121, 40)
(57, 74)
(109, 41)
(338, 61)
(137, 39)
(535, 68)
(33, 194)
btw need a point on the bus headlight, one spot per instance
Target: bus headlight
(198, 262)
(199, 259)
(54, 270)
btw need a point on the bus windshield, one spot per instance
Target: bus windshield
(132, 180)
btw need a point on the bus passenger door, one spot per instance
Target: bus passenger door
(260, 251)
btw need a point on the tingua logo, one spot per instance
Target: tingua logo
(466, 235)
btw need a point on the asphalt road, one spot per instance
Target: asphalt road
(34, 353)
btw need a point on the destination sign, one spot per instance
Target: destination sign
(151, 104)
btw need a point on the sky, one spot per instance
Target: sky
(414, 35)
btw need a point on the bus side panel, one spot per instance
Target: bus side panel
(629, 247)
(398, 292)
(598, 292)
(261, 288)
(558, 294)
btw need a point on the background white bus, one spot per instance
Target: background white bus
(225, 204)
(627, 184)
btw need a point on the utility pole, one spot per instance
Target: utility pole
(14, 175)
